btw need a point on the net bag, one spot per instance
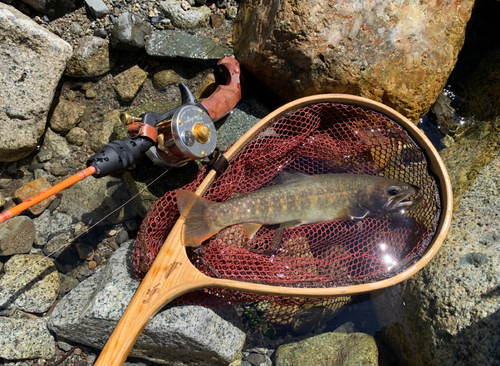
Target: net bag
(316, 135)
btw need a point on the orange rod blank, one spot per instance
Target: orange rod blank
(4, 216)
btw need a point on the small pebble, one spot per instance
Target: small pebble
(90, 93)
(64, 346)
(92, 264)
(113, 245)
(121, 237)
(101, 33)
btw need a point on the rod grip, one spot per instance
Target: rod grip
(225, 97)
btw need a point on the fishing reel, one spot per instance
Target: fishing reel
(176, 137)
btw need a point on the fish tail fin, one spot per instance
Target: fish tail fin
(193, 209)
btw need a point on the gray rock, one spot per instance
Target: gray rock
(57, 245)
(91, 58)
(191, 18)
(53, 8)
(17, 236)
(175, 44)
(32, 62)
(121, 237)
(337, 349)
(92, 199)
(54, 146)
(25, 339)
(243, 117)
(30, 283)
(451, 306)
(5, 180)
(97, 8)
(49, 225)
(192, 335)
(66, 115)
(68, 283)
(129, 32)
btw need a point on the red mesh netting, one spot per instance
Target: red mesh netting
(316, 139)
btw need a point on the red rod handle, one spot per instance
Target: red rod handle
(4, 216)
(225, 97)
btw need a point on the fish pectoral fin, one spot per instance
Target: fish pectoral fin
(290, 224)
(356, 212)
(251, 228)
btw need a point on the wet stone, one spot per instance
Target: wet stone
(175, 44)
(31, 189)
(129, 32)
(338, 349)
(16, 236)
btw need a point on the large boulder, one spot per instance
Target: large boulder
(179, 335)
(397, 52)
(32, 62)
(451, 307)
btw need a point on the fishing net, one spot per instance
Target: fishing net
(315, 139)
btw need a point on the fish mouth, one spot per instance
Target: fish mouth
(406, 201)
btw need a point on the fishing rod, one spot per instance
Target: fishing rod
(171, 139)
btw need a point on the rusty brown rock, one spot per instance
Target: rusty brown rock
(31, 189)
(397, 52)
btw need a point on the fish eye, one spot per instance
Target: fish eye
(393, 191)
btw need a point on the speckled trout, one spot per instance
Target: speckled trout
(296, 199)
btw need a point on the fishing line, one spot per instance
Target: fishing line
(86, 231)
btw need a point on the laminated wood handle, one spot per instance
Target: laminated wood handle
(225, 97)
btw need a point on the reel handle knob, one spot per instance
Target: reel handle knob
(225, 97)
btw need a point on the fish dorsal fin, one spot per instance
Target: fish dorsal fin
(289, 177)
(357, 212)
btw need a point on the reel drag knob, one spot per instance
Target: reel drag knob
(190, 135)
